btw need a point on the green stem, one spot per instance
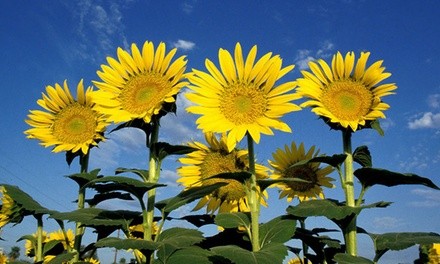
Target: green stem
(253, 197)
(350, 234)
(304, 245)
(79, 231)
(39, 248)
(361, 196)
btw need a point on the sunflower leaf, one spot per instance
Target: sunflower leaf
(189, 255)
(126, 244)
(335, 160)
(372, 176)
(270, 253)
(163, 149)
(233, 220)
(62, 258)
(278, 230)
(100, 197)
(83, 178)
(264, 184)
(98, 217)
(187, 196)
(362, 156)
(343, 258)
(241, 176)
(141, 173)
(27, 205)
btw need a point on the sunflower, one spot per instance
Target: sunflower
(59, 236)
(6, 208)
(242, 97)
(214, 159)
(345, 98)
(30, 244)
(3, 258)
(434, 253)
(67, 124)
(137, 86)
(283, 161)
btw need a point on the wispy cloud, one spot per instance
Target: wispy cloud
(184, 44)
(188, 6)
(304, 56)
(434, 101)
(387, 223)
(427, 120)
(429, 198)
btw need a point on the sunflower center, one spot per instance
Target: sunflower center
(304, 173)
(347, 100)
(216, 163)
(75, 124)
(143, 92)
(243, 104)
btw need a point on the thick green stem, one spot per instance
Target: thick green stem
(304, 245)
(39, 247)
(350, 234)
(79, 231)
(253, 197)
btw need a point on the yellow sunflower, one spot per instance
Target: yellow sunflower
(6, 208)
(214, 159)
(137, 86)
(67, 124)
(30, 245)
(59, 236)
(434, 253)
(346, 95)
(3, 258)
(242, 97)
(315, 176)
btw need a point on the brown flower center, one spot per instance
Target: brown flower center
(302, 172)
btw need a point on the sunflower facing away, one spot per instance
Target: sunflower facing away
(136, 86)
(214, 159)
(6, 208)
(241, 96)
(346, 95)
(67, 124)
(315, 176)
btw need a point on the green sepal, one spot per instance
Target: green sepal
(162, 149)
(374, 176)
(269, 254)
(375, 124)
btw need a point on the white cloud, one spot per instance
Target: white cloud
(187, 7)
(387, 222)
(434, 100)
(430, 198)
(304, 56)
(184, 44)
(428, 120)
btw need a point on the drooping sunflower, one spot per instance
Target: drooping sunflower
(242, 97)
(212, 159)
(67, 124)
(6, 208)
(316, 177)
(136, 86)
(346, 96)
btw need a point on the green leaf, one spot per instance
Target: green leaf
(143, 174)
(100, 197)
(187, 196)
(264, 184)
(334, 160)
(126, 244)
(83, 178)
(372, 176)
(362, 156)
(241, 176)
(98, 217)
(278, 230)
(269, 254)
(117, 183)
(174, 239)
(342, 258)
(162, 149)
(28, 206)
(233, 220)
(375, 124)
(63, 258)
(190, 255)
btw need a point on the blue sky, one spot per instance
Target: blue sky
(43, 44)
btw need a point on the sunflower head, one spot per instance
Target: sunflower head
(210, 160)
(10, 211)
(141, 84)
(347, 95)
(284, 168)
(30, 244)
(241, 96)
(67, 124)
(61, 237)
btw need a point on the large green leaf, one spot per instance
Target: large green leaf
(334, 160)
(118, 183)
(100, 197)
(63, 258)
(98, 217)
(342, 258)
(83, 178)
(187, 196)
(278, 230)
(174, 239)
(362, 156)
(189, 255)
(269, 254)
(27, 205)
(265, 183)
(233, 220)
(372, 176)
(143, 174)
(162, 149)
(126, 244)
